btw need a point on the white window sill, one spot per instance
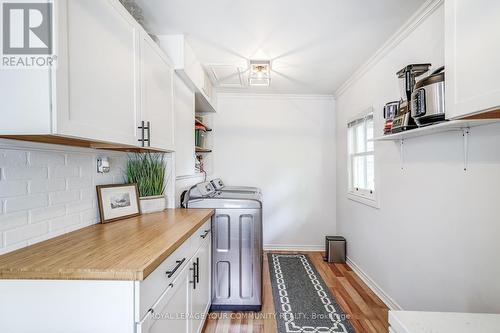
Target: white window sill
(372, 202)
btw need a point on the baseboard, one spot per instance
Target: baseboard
(391, 303)
(305, 248)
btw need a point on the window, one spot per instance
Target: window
(361, 158)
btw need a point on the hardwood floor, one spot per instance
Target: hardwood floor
(366, 311)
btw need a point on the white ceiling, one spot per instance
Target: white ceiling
(314, 45)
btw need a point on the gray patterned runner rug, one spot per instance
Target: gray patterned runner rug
(302, 301)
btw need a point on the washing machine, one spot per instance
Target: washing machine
(219, 185)
(237, 248)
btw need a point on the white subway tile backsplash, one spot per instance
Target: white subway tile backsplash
(81, 159)
(47, 185)
(25, 233)
(57, 198)
(46, 192)
(64, 171)
(87, 194)
(103, 179)
(80, 183)
(13, 188)
(13, 158)
(11, 248)
(40, 158)
(47, 213)
(16, 204)
(90, 215)
(80, 206)
(14, 220)
(64, 222)
(16, 172)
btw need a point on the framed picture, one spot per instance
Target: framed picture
(117, 202)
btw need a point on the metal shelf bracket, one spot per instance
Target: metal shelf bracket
(465, 135)
(402, 153)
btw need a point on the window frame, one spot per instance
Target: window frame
(364, 196)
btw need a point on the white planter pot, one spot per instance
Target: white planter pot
(152, 204)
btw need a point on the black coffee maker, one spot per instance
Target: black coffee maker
(407, 79)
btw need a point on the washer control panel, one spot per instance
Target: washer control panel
(218, 184)
(206, 189)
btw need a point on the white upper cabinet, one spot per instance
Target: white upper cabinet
(184, 125)
(188, 67)
(109, 77)
(157, 94)
(100, 73)
(472, 57)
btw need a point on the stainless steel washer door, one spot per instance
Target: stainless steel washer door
(237, 259)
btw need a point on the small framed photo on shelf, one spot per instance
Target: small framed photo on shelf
(118, 202)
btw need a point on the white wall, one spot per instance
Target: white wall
(434, 243)
(284, 145)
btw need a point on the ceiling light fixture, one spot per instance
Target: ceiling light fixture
(260, 73)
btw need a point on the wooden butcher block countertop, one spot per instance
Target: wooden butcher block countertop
(123, 250)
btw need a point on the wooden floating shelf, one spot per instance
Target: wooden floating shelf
(203, 150)
(199, 123)
(448, 126)
(83, 143)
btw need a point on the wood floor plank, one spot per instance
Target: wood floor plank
(367, 313)
(354, 278)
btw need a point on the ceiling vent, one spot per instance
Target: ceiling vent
(227, 76)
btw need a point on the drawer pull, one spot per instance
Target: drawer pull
(195, 274)
(205, 234)
(197, 270)
(172, 272)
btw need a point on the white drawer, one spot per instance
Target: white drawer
(200, 236)
(157, 282)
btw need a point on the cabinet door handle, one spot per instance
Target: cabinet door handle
(141, 140)
(205, 234)
(195, 277)
(149, 133)
(172, 272)
(145, 126)
(197, 270)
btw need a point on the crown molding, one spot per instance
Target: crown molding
(274, 96)
(429, 7)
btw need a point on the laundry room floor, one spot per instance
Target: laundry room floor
(367, 313)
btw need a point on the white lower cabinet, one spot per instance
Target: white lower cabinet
(201, 292)
(174, 298)
(169, 314)
(183, 306)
